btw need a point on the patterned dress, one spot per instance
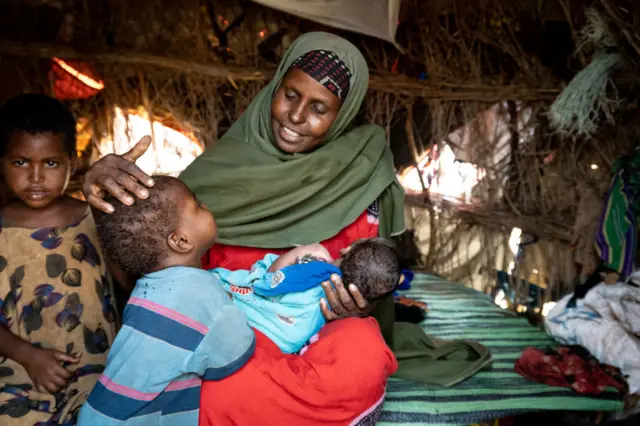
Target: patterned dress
(55, 292)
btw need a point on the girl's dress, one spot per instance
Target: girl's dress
(55, 292)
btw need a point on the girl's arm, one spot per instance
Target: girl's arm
(44, 366)
(13, 347)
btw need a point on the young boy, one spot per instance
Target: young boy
(179, 326)
(280, 295)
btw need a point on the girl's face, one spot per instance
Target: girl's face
(302, 112)
(36, 168)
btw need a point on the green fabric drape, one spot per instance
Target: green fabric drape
(263, 197)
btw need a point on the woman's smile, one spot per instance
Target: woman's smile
(290, 135)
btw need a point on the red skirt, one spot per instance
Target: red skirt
(339, 379)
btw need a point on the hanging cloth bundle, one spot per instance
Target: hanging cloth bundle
(577, 109)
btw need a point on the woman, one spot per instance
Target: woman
(292, 171)
(289, 171)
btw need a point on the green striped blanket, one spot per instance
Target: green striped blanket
(458, 312)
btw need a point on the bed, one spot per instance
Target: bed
(460, 312)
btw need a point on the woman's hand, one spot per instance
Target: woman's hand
(344, 303)
(44, 366)
(118, 176)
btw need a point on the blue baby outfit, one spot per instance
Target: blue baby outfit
(284, 305)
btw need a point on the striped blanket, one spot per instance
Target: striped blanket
(458, 312)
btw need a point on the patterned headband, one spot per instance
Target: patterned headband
(326, 68)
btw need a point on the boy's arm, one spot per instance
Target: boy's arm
(242, 277)
(226, 347)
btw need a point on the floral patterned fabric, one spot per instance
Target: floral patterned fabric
(55, 293)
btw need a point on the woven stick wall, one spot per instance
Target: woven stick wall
(165, 57)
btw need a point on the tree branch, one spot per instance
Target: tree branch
(389, 83)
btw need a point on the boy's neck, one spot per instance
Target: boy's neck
(178, 260)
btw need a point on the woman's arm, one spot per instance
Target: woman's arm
(118, 176)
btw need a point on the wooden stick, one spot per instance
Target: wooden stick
(624, 31)
(543, 227)
(391, 83)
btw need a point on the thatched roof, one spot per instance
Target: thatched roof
(202, 61)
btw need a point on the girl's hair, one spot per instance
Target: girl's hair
(35, 113)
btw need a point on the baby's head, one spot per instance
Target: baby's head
(372, 265)
(37, 148)
(170, 228)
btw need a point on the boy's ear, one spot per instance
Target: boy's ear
(179, 243)
(401, 280)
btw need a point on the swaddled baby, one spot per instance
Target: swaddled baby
(280, 295)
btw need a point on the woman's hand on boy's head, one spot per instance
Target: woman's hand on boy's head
(44, 366)
(342, 303)
(119, 176)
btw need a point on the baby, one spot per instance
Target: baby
(280, 295)
(179, 326)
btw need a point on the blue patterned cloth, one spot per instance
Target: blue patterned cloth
(284, 305)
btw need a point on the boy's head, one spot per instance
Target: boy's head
(37, 148)
(372, 265)
(170, 228)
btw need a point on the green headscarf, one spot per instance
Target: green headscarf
(263, 197)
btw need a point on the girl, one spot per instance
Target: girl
(57, 320)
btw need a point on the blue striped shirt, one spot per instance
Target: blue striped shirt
(179, 328)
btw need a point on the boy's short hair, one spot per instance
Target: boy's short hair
(372, 265)
(135, 237)
(35, 113)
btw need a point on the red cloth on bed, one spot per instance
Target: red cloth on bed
(570, 367)
(235, 257)
(339, 379)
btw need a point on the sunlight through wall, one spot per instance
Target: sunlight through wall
(170, 152)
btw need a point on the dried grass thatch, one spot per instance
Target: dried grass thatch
(166, 57)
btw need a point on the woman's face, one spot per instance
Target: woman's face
(302, 112)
